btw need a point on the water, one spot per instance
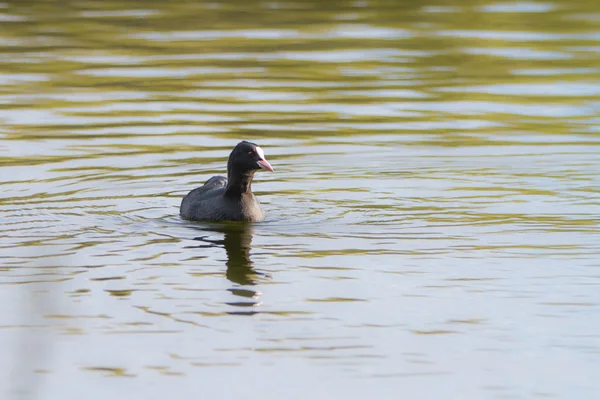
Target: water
(432, 225)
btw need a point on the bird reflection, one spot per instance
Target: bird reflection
(237, 241)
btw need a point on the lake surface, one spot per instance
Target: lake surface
(433, 222)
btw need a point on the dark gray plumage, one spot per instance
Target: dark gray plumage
(231, 198)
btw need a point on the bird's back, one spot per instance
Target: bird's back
(204, 203)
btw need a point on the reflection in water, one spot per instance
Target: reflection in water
(237, 240)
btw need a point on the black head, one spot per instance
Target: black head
(248, 156)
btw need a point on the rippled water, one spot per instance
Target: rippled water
(432, 226)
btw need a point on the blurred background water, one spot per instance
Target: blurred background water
(432, 225)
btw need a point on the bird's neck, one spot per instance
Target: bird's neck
(239, 183)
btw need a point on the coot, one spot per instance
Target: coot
(231, 198)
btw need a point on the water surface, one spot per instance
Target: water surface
(432, 226)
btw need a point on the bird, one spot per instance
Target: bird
(231, 198)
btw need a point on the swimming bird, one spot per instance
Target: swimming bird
(231, 198)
